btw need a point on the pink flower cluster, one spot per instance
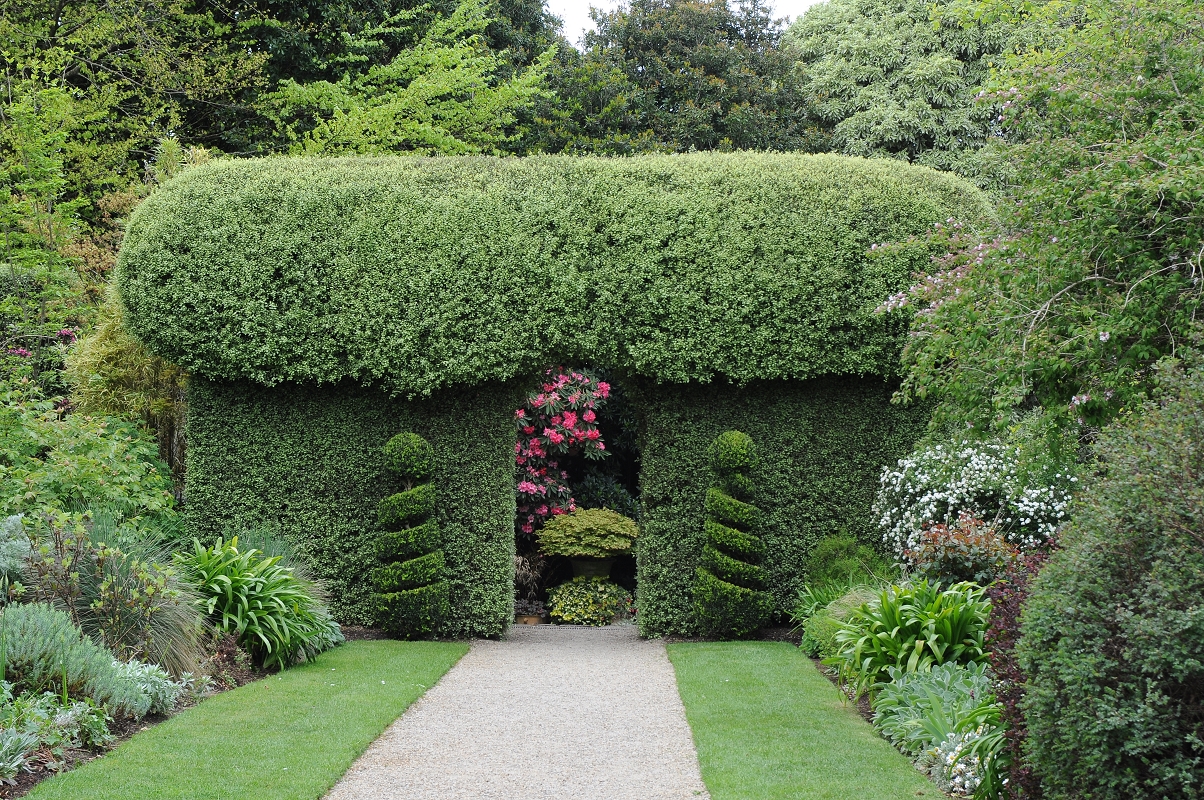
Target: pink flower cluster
(558, 419)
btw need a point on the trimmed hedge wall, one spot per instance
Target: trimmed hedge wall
(822, 445)
(310, 461)
(414, 274)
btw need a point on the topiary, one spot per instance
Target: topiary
(1112, 635)
(412, 597)
(729, 582)
(588, 533)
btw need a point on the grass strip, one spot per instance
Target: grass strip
(768, 725)
(286, 737)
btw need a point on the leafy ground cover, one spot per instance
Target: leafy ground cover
(287, 737)
(768, 725)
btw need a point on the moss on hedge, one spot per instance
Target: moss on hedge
(415, 274)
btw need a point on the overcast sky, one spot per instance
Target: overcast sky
(575, 13)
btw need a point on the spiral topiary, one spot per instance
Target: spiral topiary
(729, 596)
(411, 601)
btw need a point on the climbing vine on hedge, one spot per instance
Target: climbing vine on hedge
(412, 600)
(729, 592)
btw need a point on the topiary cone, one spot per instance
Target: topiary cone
(729, 596)
(411, 601)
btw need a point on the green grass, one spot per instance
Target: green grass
(768, 725)
(287, 737)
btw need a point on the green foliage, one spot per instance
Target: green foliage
(45, 651)
(729, 596)
(411, 458)
(842, 558)
(408, 543)
(676, 76)
(49, 461)
(944, 717)
(412, 599)
(112, 581)
(547, 257)
(264, 604)
(44, 720)
(824, 609)
(161, 691)
(822, 446)
(14, 548)
(410, 506)
(1112, 634)
(443, 94)
(410, 574)
(588, 601)
(901, 80)
(1092, 275)
(912, 627)
(588, 533)
(312, 458)
(111, 374)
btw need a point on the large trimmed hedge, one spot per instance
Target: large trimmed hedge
(822, 445)
(415, 274)
(310, 461)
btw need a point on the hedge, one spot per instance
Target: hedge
(1112, 635)
(415, 274)
(309, 460)
(822, 445)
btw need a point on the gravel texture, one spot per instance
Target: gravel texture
(549, 712)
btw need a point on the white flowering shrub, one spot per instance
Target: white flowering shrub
(1015, 485)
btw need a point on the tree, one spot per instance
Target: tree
(676, 75)
(1095, 271)
(900, 79)
(442, 95)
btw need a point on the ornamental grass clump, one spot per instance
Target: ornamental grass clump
(729, 596)
(588, 533)
(412, 595)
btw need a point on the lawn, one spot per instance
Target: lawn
(287, 737)
(768, 725)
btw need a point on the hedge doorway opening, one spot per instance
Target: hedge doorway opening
(577, 447)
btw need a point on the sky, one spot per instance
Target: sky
(575, 13)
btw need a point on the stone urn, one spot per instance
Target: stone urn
(592, 567)
(529, 619)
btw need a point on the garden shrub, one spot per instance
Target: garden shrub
(823, 611)
(411, 600)
(729, 595)
(65, 462)
(1113, 633)
(14, 548)
(588, 533)
(162, 693)
(1021, 483)
(15, 749)
(840, 557)
(44, 651)
(912, 627)
(937, 716)
(967, 549)
(588, 600)
(116, 583)
(309, 461)
(273, 613)
(822, 445)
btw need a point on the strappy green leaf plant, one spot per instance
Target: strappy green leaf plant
(911, 627)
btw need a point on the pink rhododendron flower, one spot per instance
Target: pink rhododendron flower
(589, 416)
(542, 511)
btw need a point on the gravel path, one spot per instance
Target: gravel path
(550, 712)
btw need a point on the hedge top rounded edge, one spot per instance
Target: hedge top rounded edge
(418, 273)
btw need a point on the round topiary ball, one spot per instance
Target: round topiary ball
(732, 452)
(410, 456)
